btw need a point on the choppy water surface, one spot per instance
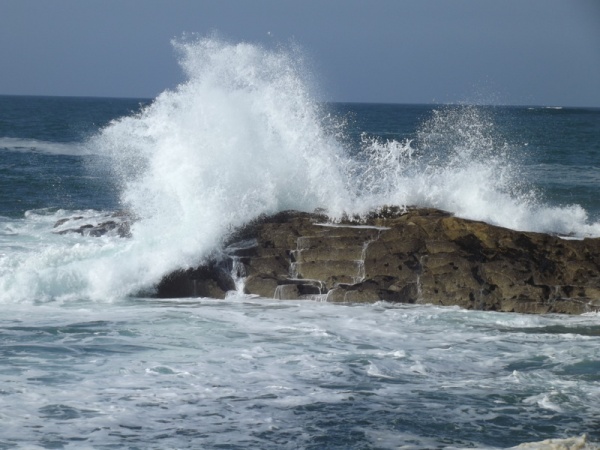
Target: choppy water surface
(251, 373)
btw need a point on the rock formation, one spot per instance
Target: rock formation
(117, 223)
(413, 256)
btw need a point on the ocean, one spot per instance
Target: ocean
(89, 359)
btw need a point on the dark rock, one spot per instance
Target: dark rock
(65, 220)
(409, 256)
(262, 286)
(287, 292)
(118, 222)
(210, 280)
(292, 289)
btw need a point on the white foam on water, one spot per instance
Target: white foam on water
(49, 147)
(233, 369)
(571, 443)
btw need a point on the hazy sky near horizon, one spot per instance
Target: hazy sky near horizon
(543, 52)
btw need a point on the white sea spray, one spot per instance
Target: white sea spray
(462, 164)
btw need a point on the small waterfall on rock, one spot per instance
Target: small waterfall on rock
(238, 273)
(360, 263)
(418, 280)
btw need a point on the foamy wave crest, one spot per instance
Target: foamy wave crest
(460, 163)
(241, 137)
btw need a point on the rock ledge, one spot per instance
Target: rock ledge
(408, 256)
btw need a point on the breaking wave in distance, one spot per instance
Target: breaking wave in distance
(244, 136)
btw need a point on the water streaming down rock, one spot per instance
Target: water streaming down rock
(238, 269)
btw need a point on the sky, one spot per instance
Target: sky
(526, 52)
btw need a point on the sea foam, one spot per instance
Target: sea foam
(34, 145)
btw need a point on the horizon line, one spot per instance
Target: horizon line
(458, 103)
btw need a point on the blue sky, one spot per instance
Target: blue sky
(544, 52)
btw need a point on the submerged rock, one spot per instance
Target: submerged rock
(118, 223)
(204, 281)
(408, 256)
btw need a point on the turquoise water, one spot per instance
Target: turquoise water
(88, 360)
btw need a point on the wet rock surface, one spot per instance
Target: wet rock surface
(117, 223)
(413, 256)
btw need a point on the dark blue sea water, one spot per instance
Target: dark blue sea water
(87, 361)
(44, 160)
